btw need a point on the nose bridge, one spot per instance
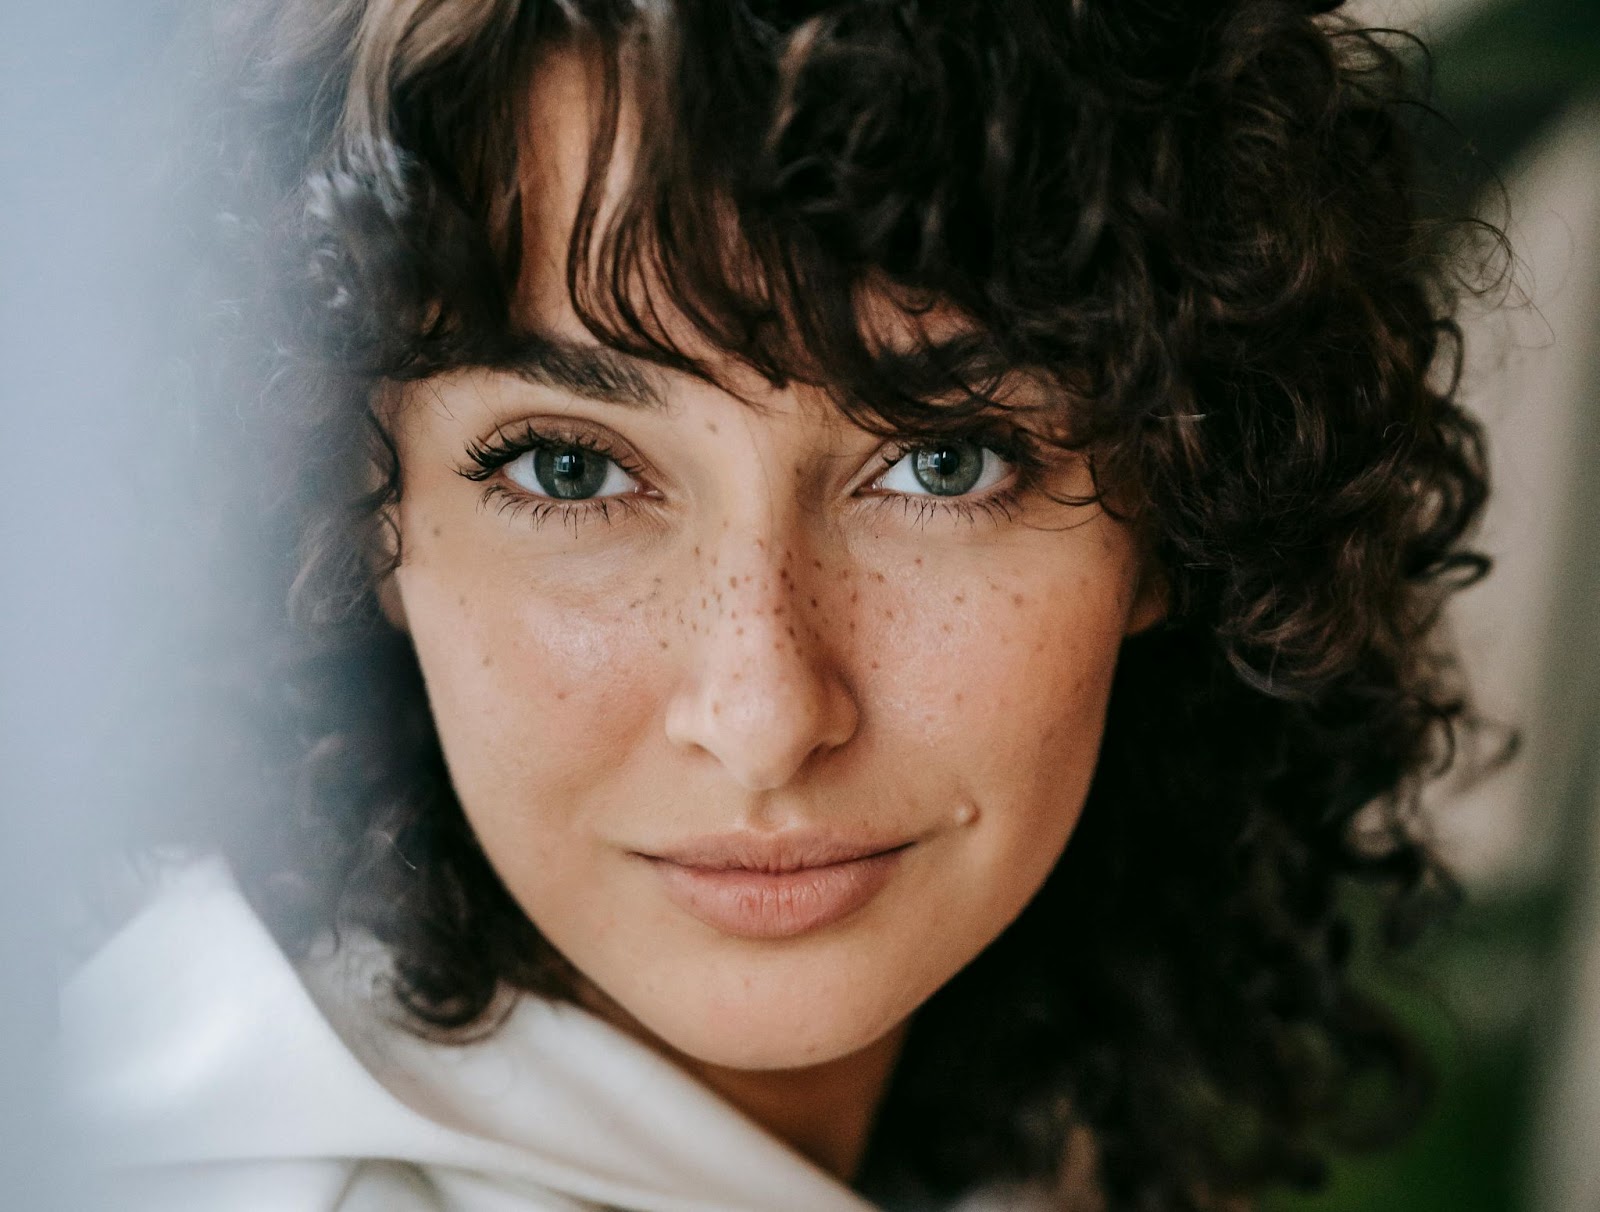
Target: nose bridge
(755, 580)
(763, 692)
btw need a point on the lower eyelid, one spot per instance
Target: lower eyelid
(996, 504)
(513, 502)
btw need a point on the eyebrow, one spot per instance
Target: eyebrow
(592, 372)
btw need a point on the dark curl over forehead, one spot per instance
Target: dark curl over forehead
(1193, 219)
(1194, 215)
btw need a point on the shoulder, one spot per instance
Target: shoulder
(189, 1037)
(202, 1069)
(310, 1185)
(285, 1185)
(196, 1071)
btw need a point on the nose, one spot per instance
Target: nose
(762, 694)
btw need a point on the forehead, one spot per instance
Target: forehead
(608, 236)
(562, 119)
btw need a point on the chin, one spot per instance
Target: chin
(775, 1025)
(742, 1043)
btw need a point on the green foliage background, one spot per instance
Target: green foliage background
(1489, 995)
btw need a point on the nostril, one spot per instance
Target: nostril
(758, 696)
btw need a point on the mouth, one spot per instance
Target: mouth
(750, 886)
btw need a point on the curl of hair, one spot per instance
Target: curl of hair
(1194, 217)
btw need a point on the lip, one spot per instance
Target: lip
(775, 886)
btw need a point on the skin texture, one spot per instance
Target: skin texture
(775, 632)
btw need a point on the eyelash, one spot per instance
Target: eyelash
(1000, 505)
(486, 458)
(997, 505)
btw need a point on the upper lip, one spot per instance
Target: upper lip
(773, 853)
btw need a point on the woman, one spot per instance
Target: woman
(861, 587)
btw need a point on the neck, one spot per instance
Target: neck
(824, 1112)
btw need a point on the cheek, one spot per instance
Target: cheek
(1010, 673)
(1002, 687)
(529, 687)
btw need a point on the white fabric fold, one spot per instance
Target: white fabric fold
(201, 1069)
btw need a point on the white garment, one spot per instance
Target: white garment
(208, 1074)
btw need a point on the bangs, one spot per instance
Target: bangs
(819, 199)
(1191, 224)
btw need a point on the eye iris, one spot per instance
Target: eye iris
(569, 472)
(949, 469)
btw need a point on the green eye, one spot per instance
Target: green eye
(568, 473)
(948, 468)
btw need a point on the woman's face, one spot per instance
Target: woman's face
(768, 725)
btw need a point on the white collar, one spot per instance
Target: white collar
(190, 1037)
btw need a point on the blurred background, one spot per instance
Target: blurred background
(94, 525)
(1509, 998)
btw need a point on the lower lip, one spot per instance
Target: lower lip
(761, 904)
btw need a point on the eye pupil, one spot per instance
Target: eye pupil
(570, 472)
(949, 469)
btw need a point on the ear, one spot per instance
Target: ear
(383, 547)
(1152, 598)
(391, 603)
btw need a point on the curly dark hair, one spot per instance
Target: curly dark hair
(1198, 216)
